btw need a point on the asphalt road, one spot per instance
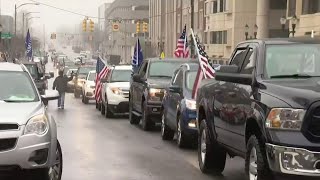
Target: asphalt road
(98, 148)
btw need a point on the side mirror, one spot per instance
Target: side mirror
(49, 95)
(175, 89)
(230, 74)
(137, 78)
(104, 80)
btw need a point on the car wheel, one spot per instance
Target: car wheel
(97, 105)
(147, 124)
(211, 157)
(256, 163)
(108, 113)
(132, 117)
(103, 108)
(52, 173)
(181, 137)
(166, 132)
(85, 99)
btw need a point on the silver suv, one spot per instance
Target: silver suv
(28, 135)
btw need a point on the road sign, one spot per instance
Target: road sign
(115, 27)
(6, 36)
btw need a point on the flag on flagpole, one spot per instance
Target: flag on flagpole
(205, 70)
(102, 70)
(28, 45)
(182, 50)
(137, 57)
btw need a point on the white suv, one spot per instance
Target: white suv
(89, 87)
(115, 91)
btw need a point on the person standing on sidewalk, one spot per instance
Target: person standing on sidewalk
(60, 84)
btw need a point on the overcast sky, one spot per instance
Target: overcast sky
(53, 18)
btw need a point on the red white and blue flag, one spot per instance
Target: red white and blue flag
(182, 50)
(205, 70)
(102, 70)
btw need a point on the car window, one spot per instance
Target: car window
(121, 75)
(174, 76)
(33, 70)
(249, 63)
(178, 81)
(283, 60)
(92, 76)
(190, 79)
(238, 57)
(17, 87)
(163, 68)
(143, 69)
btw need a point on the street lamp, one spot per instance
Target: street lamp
(23, 17)
(15, 14)
(255, 31)
(294, 24)
(283, 21)
(246, 33)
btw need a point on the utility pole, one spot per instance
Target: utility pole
(15, 20)
(22, 25)
(44, 37)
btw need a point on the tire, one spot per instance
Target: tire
(182, 140)
(107, 111)
(166, 132)
(103, 109)
(85, 100)
(76, 94)
(256, 164)
(211, 157)
(132, 117)
(147, 124)
(48, 173)
(97, 105)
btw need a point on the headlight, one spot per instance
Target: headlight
(285, 118)
(191, 104)
(37, 125)
(116, 90)
(153, 94)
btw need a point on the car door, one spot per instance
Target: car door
(138, 87)
(176, 98)
(225, 94)
(243, 100)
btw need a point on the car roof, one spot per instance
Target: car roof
(295, 40)
(170, 59)
(28, 62)
(123, 67)
(6, 66)
(192, 66)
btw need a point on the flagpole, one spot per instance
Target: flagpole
(137, 44)
(195, 43)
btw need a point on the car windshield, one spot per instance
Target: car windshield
(296, 60)
(121, 75)
(92, 76)
(163, 68)
(33, 70)
(17, 87)
(190, 79)
(83, 72)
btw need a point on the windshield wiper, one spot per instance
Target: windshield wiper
(293, 76)
(13, 101)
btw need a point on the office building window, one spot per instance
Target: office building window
(218, 37)
(291, 8)
(218, 6)
(278, 4)
(205, 40)
(215, 7)
(310, 6)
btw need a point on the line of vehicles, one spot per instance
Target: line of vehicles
(263, 106)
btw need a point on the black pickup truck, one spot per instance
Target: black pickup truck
(265, 107)
(147, 90)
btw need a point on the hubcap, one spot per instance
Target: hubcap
(203, 146)
(55, 170)
(253, 166)
(162, 125)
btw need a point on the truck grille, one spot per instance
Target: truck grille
(7, 144)
(125, 93)
(314, 125)
(4, 127)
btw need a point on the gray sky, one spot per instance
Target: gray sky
(53, 18)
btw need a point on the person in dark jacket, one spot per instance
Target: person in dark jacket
(60, 84)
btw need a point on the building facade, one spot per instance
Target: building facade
(126, 13)
(7, 24)
(101, 15)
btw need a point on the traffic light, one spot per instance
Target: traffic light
(84, 25)
(145, 27)
(91, 26)
(138, 27)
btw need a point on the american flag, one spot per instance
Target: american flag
(205, 70)
(102, 70)
(182, 50)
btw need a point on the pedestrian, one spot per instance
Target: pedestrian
(60, 84)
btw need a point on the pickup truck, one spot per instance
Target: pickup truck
(265, 107)
(147, 90)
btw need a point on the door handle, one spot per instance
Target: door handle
(232, 94)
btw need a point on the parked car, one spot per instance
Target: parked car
(89, 87)
(38, 75)
(269, 94)
(28, 138)
(179, 107)
(79, 79)
(115, 91)
(147, 90)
